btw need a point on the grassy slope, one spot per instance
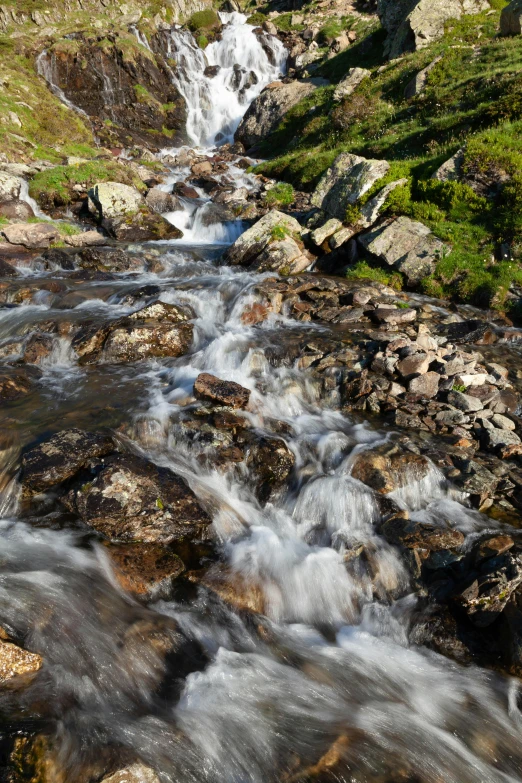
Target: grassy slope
(473, 98)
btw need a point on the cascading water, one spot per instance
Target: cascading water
(316, 679)
(45, 65)
(243, 65)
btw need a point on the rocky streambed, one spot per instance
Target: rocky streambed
(259, 522)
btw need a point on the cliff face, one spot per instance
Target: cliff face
(126, 90)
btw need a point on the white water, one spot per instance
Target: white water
(216, 105)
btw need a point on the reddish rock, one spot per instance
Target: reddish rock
(208, 387)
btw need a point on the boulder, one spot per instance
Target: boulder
(6, 269)
(414, 24)
(31, 235)
(10, 187)
(274, 227)
(16, 210)
(511, 18)
(141, 226)
(113, 200)
(352, 80)
(156, 331)
(451, 170)
(60, 457)
(326, 230)
(268, 109)
(133, 500)
(419, 82)
(270, 463)
(86, 239)
(349, 178)
(109, 259)
(135, 773)
(159, 201)
(407, 245)
(148, 571)
(208, 387)
(388, 467)
(418, 535)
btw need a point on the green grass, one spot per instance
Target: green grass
(473, 99)
(54, 186)
(204, 20)
(281, 195)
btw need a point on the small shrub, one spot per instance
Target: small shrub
(202, 41)
(204, 20)
(278, 233)
(256, 19)
(458, 387)
(281, 194)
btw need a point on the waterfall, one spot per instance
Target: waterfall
(45, 66)
(24, 196)
(216, 104)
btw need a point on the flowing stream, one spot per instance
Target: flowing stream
(326, 667)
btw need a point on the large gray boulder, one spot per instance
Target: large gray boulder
(269, 108)
(345, 182)
(113, 200)
(31, 235)
(406, 245)
(272, 244)
(414, 24)
(511, 19)
(10, 186)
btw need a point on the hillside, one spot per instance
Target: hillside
(470, 100)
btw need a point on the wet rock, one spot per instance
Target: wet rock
(113, 200)
(389, 468)
(162, 202)
(135, 773)
(285, 256)
(6, 270)
(208, 387)
(109, 260)
(463, 332)
(485, 594)
(59, 258)
(60, 457)
(211, 71)
(407, 245)
(37, 348)
(268, 109)
(31, 235)
(270, 462)
(417, 535)
(16, 210)
(350, 82)
(185, 191)
(157, 330)
(15, 384)
(16, 662)
(345, 182)
(133, 500)
(493, 547)
(141, 226)
(146, 570)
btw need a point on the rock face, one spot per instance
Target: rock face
(511, 18)
(413, 24)
(131, 499)
(407, 245)
(31, 235)
(269, 108)
(123, 83)
(349, 178)
(208, 387)
(270, 245)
